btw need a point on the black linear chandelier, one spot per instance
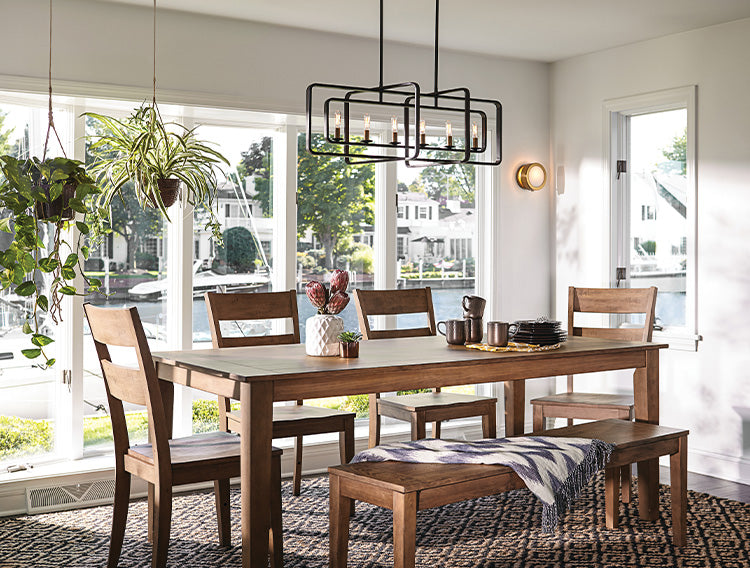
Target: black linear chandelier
(464, 143)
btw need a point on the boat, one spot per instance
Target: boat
(203, 281)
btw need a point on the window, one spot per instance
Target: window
(400, 213)
(653, 212)
(29, 396)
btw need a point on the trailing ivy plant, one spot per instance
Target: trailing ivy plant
(145, 150)
(30, 190)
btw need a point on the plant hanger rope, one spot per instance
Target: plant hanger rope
(50, 116)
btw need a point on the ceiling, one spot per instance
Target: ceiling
(543, 30)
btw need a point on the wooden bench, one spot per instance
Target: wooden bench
(406, 488)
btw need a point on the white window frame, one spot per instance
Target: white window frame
(616, 113)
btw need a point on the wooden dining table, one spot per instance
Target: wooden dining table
(260, 376)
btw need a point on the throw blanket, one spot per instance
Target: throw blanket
(554, 469)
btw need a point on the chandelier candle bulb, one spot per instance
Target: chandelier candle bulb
(449, 133)
(394, 130)
(422, 132)
(337, 125)
(474, 135)
(367, 128)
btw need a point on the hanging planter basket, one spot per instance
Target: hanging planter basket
(169, 189)
(57, 208)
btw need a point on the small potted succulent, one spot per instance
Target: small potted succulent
(349, 344)
(323, 328)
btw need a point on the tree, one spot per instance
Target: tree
(450, 181)
(239, 249)
(334, 198)
(257, 162)
(5, 146)
(133, 222)
(677, 152)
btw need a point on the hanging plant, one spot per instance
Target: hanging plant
(52, 191)
(158, 158)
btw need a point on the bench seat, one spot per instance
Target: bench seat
(406, 488)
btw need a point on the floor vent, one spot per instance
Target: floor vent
(62, 497)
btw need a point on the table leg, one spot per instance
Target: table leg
(646, 394)
(256, 403)
(515, 401)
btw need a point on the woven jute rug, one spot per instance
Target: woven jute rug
(493, 532)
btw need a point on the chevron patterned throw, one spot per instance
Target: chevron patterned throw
(554, 469)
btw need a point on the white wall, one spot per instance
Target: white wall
(102, 48)
(708, 391)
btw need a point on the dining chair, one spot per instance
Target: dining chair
(164, 462)
(419, 408)
(288, 421)
(600, 406)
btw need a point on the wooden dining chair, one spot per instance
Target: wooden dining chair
(288, 421)
(419, 408)
(600, 406)
(164, 462)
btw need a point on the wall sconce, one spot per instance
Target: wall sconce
(532, 176)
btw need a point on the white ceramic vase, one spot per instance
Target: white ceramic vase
(322, 332)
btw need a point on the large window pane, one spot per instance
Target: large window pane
(131, 262)
(658, 210)
(436, 239)
(28, 394)
(335, 229)
(243, 262)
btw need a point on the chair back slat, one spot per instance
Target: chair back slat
(394, 302)
(124, 383)
(613, 301)
(621, 334)
(251, 306)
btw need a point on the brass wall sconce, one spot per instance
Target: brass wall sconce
(531, 176)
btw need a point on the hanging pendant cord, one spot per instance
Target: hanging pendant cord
(50, 117)
(381, 52)
(154, 97)
(437, 25)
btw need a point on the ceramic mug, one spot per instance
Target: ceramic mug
(474, 330)
(473, 306)
(455, 331)
(497, 333)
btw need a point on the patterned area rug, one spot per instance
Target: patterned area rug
(493, 532)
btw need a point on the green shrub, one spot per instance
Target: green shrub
(206, 415)
(146, 261)
(20, 436)
(98, 429)
(359, 403)
(362, 258)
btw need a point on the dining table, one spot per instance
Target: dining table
(260, 376)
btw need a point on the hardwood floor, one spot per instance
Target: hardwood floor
(712, 486)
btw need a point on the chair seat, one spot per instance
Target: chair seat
(294, 420)
(190, 455)
(584, 399)
(425, 401)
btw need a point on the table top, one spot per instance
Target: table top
(414, 354)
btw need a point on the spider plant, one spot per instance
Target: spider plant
(154, 155)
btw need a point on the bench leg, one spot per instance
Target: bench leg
(404, 529)
(612, 496)
(678, 480)
(338, 531)
(648, 489)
